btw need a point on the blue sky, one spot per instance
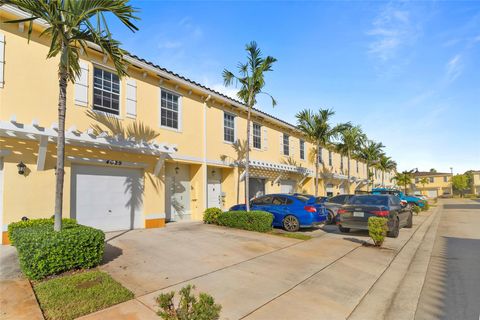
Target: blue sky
(407, 72)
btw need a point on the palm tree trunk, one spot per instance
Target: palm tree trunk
(247, 157)
(368, 177)
(316, 169)
(348, 173)
(383, 178)
(60, 172)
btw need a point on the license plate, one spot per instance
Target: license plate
(358, 214)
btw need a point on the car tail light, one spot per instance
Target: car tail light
(381, 213)
(310, 209)
(341, 211)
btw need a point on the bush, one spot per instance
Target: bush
(426, 206)
(416, 209)
(43, 252)
(260, 221)
(189, 307)
(377, 229)
(210, 215)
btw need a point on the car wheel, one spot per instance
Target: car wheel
(330, 217)
(395, 230)
(343, 230)
(410, 221)
(291, 223)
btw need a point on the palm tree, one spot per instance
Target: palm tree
(386, 164)
(370, 152)
(252, 80)
(72, 25)
(240, 148)
(403, 178)
(317, 129)
(424, 181)
(351, 140)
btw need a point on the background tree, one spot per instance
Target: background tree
(386, 164)
(72, 25)
(351, 140)
(460, 183)
(317, 129)
(252, 80)
(370, 152)
(404, 179)
(433, 170)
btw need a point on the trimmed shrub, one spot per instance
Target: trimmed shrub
(189, 307)
(260, 221)
(426, 206)
(43, 252)
(416, 209)
(377, 229)
(210, 216)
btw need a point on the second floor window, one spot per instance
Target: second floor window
(357, 164)
(169, 106)
(330, 162)
(286, 144)
(106, 91)
(417, 180)
(445, 179)
(302, 149)
(320, 160)
(257, 136)
(431, 179)
(229, 127)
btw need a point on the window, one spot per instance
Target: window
(257, 136)
(320, 160)
(357, 165)
(341, 163)
(330, 162)
(431, 179)
(106, 91)
(169, 106)
(279, 200)
(417, 180)
(266, 200)
(445, 179)
(286, 144)
(302, 149)
(338, 199)
(228, 127)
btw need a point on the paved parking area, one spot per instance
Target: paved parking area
(252, 275)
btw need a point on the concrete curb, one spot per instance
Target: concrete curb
(376, 303)
(405, 301)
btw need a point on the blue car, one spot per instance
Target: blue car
(291, 212)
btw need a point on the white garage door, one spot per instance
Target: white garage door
(432, 193)
(287, 186)
(107, 198)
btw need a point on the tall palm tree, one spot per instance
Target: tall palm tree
(252, 80)
(370, 152)
(318, 130)
(424, 181)
(351, 140)
(72, 25)
(240, 147)
(403, 178)
(386, 164)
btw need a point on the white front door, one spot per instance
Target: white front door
(177, 192)
(214, 194)
(287, 186)
(432, 193)
(107, 198)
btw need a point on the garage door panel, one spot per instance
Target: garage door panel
(107, 198)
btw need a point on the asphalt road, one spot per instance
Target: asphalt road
(452, 284)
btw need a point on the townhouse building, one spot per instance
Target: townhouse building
(475, 182)
(437, 183)
(116, 176)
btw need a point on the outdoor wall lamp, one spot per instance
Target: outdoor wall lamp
(177, 169)
(21, 168)
(213, 173)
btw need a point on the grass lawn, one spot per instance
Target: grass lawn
(74, 295)
(292, 235)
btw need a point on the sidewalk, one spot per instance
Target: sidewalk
(17, 300)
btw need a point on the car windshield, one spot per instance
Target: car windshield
(369, 200)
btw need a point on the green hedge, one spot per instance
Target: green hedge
(210, 216)
(260, 221)
(377, 229)
(43, 252)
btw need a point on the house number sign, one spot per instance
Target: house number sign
(114, 162)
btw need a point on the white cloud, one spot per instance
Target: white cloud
(454, 68)
(230, 91)
(168, 44)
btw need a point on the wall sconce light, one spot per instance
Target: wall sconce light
(21, 168)
(177, 169)
(213, 173)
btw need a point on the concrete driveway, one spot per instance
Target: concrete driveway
(252, 275)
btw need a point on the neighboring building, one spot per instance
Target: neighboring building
(116, 183)
(437, 183)
(476, 182)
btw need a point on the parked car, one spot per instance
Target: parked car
(411, 200)
(290, 211)
(333, 204)
(355, 214)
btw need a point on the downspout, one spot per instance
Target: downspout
(204, 169)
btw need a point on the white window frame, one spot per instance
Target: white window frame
(431, 179)
(234, 127)
(180, 114)
(287, 145)
(253, 135)
(302, 149)
(104, 69)
(330, 158)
